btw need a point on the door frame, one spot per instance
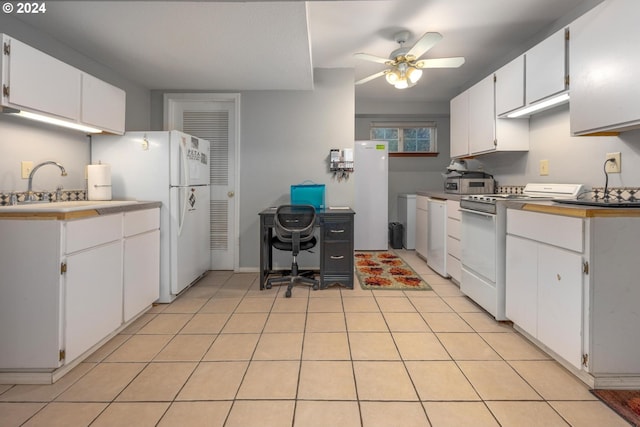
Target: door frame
(169, 103)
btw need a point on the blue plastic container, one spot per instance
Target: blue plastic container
(308, 194)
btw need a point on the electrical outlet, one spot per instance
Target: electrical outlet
(544, 167)
(26, 166)
(615, 166)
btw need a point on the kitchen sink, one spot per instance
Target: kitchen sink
(68, 206)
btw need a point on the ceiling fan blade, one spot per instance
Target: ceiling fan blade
(454, 62)
(371, 58)
(424, 44)
(371, 77)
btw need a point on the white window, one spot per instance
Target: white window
(406, 138)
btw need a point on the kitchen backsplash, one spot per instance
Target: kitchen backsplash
(618, 193)
(67, 195)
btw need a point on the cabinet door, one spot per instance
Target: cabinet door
(546, 68)
(482, 116)
(103, 105)
(521, 283)
(93, 297)
(141, 272)
(422, 225)
(603, 62)
(459, 139)
(510, 86)
(41, 83)
(560, 302)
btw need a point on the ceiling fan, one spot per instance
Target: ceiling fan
(405, 63)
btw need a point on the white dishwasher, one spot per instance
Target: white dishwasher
(437, 236)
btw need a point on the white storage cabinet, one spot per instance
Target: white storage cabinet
(437, 236)
(422, 225)
(459, 107)
(407, 217)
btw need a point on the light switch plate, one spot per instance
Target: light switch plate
(544, 167)
(26, 166)
(615, 166)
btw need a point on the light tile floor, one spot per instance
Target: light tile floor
(227, 354)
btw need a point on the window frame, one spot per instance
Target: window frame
(400, 126)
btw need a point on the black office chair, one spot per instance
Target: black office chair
(294, 226)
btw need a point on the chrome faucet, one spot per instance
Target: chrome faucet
(30, 196)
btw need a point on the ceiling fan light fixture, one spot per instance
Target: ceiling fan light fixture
(414, 74)
(402, 84)
(393, 77)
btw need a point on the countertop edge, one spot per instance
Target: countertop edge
(575, 211)
(82, 213)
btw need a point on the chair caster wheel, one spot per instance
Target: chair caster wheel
(288, 293)
(316, 287)
(268, 286)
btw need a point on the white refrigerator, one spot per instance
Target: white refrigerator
(371, 187)
(173, 168)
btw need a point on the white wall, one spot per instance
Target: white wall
(571, 159)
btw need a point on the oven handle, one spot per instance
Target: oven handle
(490, 215)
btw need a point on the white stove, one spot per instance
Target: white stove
(483, 244)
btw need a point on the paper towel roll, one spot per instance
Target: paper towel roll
(99, 182)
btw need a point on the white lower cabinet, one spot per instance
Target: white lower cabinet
(422, 225)
(68, 285)
(571, 286)
(454, 236)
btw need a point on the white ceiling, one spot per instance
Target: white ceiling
(258, 45)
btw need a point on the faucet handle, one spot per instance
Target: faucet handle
(13, 198)
(59, 193)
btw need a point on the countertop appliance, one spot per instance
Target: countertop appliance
(171, 167)
(371, 187)
(483, 252)
(460, 180)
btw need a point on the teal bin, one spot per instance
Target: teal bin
(308, 194)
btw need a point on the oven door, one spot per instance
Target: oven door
(479, 243)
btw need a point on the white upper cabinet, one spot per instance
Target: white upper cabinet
(103, 105)
(35, 82)
(510, 86)
(459, 145)
(482, 116)
(604, 64)
(39, 82)
(546, 68)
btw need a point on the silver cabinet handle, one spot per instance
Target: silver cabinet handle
(337, 256)
(337, 231)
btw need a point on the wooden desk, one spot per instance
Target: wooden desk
(336, 246)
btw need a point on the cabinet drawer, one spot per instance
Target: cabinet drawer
(86, 233)
(422, 202)
(556, 230)
(453, 247)
(453, 209)
(137, 222)
(337, 257)
(338, 230)
(453, 228)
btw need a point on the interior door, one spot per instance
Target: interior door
(214, 118)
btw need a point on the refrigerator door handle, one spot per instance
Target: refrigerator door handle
(185, 183)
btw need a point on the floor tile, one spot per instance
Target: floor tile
(395, 305)
(185, 348)
(186, 305)
(45, 392)
(220, 305)
(511, 346)
(530, 414)
(139, 348)
(446, 322)
(15, 414)
(462, 304)
(245, 323)
(270, 380)
(325, 305)
(214, 381)
(588, 414)
(103, 383)
(263, 413)
(285, 322)
(140, 322)
(326, 322)
(279, 346)
(100, 354)
(467, 346)
(326, 380)
(459, 414)
(206, 323)
(254, 305)
(552, 381)
(385, 414)
(166, 324)
(200, 292)
(121, 414)
(228, 347)
(420, 346)
(372, 346)
(290, 305)
(386, 381)
(496, 380)
(196, 414)
(323, 414)
(360, 304)
(158, 382)
(366, 322)
(58, 414)
(440, 380)
(432, 304)
(484, 322)
(326, 346)
(406, 322)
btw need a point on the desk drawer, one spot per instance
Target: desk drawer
(338, 256)
(338, 230)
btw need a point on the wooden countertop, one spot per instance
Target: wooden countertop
(48, 214)
(575, 210)
(439, 195)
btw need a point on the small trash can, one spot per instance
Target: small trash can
(395, 235)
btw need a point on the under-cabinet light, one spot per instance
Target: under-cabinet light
(540, 106)
(57, 122)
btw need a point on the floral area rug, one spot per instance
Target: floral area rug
(386, 270)
(625, 402)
